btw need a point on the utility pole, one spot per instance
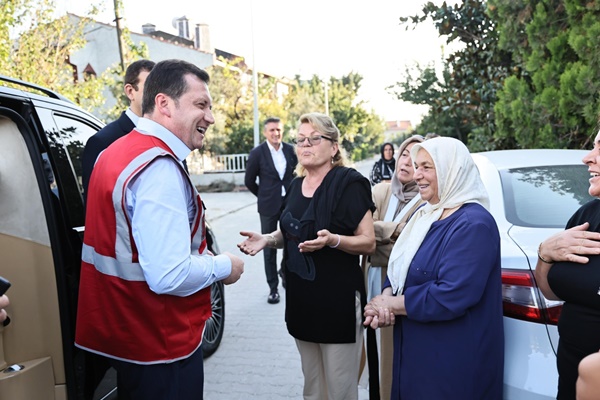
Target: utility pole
(254, 78)
(326, 97)
(117, 7)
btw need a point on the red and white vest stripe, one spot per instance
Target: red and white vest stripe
(118, 315)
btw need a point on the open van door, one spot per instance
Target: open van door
(32, 343)
(39, 255)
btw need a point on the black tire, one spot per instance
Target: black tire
(215, 325)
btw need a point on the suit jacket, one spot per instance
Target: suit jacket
(268, 190)
(100, 141)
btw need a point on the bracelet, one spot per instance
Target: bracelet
(338, 243)
(271, 237)
(542, 258)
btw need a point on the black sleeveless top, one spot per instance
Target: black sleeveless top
(579, 323)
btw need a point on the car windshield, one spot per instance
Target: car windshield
(546, 196)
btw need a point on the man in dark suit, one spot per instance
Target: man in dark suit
(135, 77)
(273, 163)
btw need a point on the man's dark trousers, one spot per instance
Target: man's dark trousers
(179, 380)
(269, 224)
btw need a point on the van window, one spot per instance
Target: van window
(21, 208)
(74, 135)
(67, 136)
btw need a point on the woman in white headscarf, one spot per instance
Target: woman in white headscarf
(444, 284)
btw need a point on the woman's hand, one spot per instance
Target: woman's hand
(571, 245)
(324, 238)
(379, 311)
(254, 243)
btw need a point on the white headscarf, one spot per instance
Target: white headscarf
(458, 183)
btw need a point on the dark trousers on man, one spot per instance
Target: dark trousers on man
(268, 224)
(179, 380)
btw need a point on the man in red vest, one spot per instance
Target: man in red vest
(146, 272)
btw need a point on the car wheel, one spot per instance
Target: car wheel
(215, 325)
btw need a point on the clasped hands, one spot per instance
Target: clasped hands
(379, 311)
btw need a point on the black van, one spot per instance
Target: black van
(42, 135)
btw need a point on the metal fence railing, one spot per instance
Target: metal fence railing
(202, 163)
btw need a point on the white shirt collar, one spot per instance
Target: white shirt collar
(273, 148)
(134, 118)
(149, 127)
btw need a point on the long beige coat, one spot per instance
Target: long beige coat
(386, 233)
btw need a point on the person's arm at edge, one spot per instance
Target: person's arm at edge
(588, 381)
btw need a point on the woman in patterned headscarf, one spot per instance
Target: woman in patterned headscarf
(383, 169)
(444, 284)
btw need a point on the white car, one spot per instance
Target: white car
(533, 193)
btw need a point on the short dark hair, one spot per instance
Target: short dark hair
(168, 77)
(132, 73)
(271, 119)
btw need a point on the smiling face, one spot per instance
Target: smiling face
(314, 156)
(592, 160)
(426, 177)
(404, 166)
(191, 115)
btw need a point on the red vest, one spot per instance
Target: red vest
(118, 315)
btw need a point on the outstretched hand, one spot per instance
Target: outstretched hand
(254, 243)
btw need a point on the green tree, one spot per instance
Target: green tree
(233, 106)
(361, 130)
(552, 98)
(304, 96)
(465, 95)
(41, 52)
(422, 86)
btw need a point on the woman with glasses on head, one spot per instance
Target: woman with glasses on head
(383, 169)
(325, 225)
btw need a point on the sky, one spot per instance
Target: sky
(304, 37)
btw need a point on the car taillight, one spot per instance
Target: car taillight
(521, 298)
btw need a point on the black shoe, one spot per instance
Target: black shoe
(273, 297)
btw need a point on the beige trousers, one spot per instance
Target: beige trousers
(331, 371)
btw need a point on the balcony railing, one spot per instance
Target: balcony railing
(202, 163)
